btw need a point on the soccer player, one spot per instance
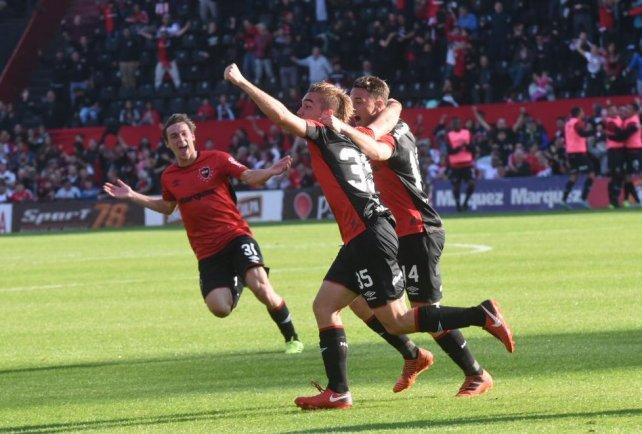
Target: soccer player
(460, 162)
(367, 262)
(575, 134)
(228, 256)
(630, 134)
(394, 159)
(615, 155)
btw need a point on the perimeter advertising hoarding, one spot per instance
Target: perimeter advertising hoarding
(66, 215)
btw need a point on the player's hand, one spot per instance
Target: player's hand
(233, 74)
(282, 165)
(120, 191)
(331, 121)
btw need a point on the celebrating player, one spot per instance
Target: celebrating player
(575, 134)
(367, 262)
(630, 134)
(228, 256)
(421, 234)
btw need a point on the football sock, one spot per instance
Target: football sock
(457, 193)
(629, 189)
(567, 190)
(612, 192)
(436, 319)
(402, 343)
(281, 316)
(586, 188)
(334, 351)
(454, 344)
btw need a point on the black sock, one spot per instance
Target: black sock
(457, 194)
(629, 189)
(567, 190)
(587, 188)
(611, 192)
(402, 343)
(436, 319)
(469, 192)
(454, 344)
(334, 350)
(281, 316)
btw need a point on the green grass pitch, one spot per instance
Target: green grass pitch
(106, 331)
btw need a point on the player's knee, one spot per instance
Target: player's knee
(220, 310)
(392, 325)
(321, 310)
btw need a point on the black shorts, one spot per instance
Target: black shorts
(368, 264)
(226, 269)
(633, 161)
(617, 161)
(579, 163)
(419, 256)
(459, 174)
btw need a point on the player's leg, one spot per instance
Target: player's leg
(220, 301)
(331, 298)
(572, 179)
(470, 187)
(633, 167)
(402, 343)
(218, 283)
(455, 180)
(248, 262)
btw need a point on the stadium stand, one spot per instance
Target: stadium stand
(132, 62)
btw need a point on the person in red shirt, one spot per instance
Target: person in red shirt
(205, 111)
(366, 264)
(228, 256)
(21, 194)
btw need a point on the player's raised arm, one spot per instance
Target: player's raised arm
(258, 177)
(270, 106)
(387, 119)
(124, 191)
(371, 148)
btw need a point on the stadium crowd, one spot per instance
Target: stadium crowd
(147, 58)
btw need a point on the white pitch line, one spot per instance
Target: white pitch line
(474, 249)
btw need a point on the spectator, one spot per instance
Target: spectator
(150, 116)
(78, 74)
(207, 9)
(262, 46)
(129, 115)
(541, 88)
(318, 66)
(5, 193)
(6, 175)
(129, 53)
(89, 111)
(594, 78)
(205, 111)
(21, 194)
(224, 109)
(67, 191)
(166, 64)
(288, 70)
(635, 65)
(138, 19)
(88, 191)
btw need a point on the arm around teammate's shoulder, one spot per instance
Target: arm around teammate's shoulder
(387, 119)
(120, 190)
(363, 138)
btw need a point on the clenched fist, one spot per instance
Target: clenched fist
(233, 74)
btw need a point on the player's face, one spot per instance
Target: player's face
(366, 107)
(311, 106)
(180, 140)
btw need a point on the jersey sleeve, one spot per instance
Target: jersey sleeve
(386, 139)
(167, 195)
(229, 165)
(314, 130)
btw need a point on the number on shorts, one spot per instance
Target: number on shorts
(364, 279)
(412, 274)
(249, 249)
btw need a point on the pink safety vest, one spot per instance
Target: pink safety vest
(457, 140)
(617, 121)
(575, 143)
(635, 141)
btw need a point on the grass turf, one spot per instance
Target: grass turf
(107, 331)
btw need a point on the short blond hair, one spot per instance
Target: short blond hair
(177, 118)
(334, 98)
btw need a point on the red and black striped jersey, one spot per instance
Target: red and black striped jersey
(346, 179)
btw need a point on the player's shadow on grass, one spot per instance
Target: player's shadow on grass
(463, 421)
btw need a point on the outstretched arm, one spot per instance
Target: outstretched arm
(270, 106)
(371, 148)
(481, 119)
(124, 191)
(387, 119)
(258, 177)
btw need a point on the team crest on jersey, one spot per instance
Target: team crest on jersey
(204, 173)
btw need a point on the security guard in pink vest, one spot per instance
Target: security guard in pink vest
(615, 154)
(460, 162)
(575, 134)
(630, 135)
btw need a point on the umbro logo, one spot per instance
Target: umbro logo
(369, 295)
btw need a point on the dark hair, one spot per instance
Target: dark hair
(177, 118)
(575, 111)
(373, 85)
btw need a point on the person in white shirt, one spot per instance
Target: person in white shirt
(68, 191)
(594, 80)
(319, 67)
(5, 193)
(7, 175)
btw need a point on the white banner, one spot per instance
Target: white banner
(255, 206)
(6, 213)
